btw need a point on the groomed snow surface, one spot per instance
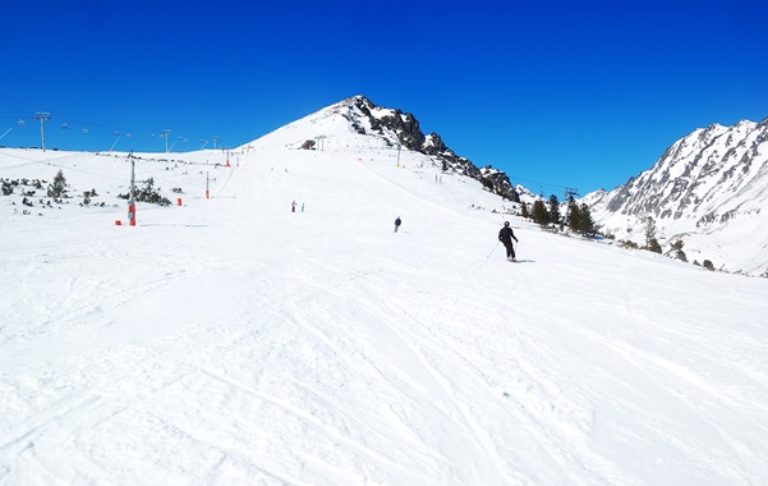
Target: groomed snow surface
(231, 341)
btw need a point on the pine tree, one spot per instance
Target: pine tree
(586, 223)
(524, 210)
(574, 216)
(539, 212)
(554, 209)
(650, 230)
(651, 243)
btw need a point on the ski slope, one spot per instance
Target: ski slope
(231, 341)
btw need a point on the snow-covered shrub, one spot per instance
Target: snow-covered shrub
(149, 194)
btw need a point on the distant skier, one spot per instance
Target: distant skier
(293, 206)
(302, 207)
(506, 235)
(398, 222)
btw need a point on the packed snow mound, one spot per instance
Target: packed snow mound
(709, 189)
(232, 340)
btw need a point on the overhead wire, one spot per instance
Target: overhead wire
(66, 117)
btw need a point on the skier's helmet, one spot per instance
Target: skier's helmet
(506, 224)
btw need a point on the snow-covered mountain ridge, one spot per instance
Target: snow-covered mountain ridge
(709, 189)
(232, 341)
(394, 128)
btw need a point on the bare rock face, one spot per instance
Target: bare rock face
(402, 128)
(707, 187)
(701, 170)
(308, 145)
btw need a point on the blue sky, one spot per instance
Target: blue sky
(581, 94)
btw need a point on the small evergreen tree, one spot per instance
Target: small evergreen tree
(539, 212)
(58, 187)
(7, 187)
(554, 209)
(650, 231)
(677, 248)
(651, 243)
(708, 265)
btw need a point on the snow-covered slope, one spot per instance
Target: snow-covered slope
(337, 124)
(709, 189)
(231, 341)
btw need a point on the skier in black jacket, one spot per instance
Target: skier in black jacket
(506, 235)
(398, 222)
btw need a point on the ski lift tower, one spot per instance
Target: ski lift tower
(165, 133)
(320, 140)
(43, 117)
(570, 192)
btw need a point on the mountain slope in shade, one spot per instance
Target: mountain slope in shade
(709, 189)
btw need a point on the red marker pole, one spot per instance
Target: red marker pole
(131, 213)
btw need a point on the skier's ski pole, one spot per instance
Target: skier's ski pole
(494, 249)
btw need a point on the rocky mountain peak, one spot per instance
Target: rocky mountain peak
(713, 180)
(403, 128)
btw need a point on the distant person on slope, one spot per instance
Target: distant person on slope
(506, 235)
(398, 222)
(293, 206)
